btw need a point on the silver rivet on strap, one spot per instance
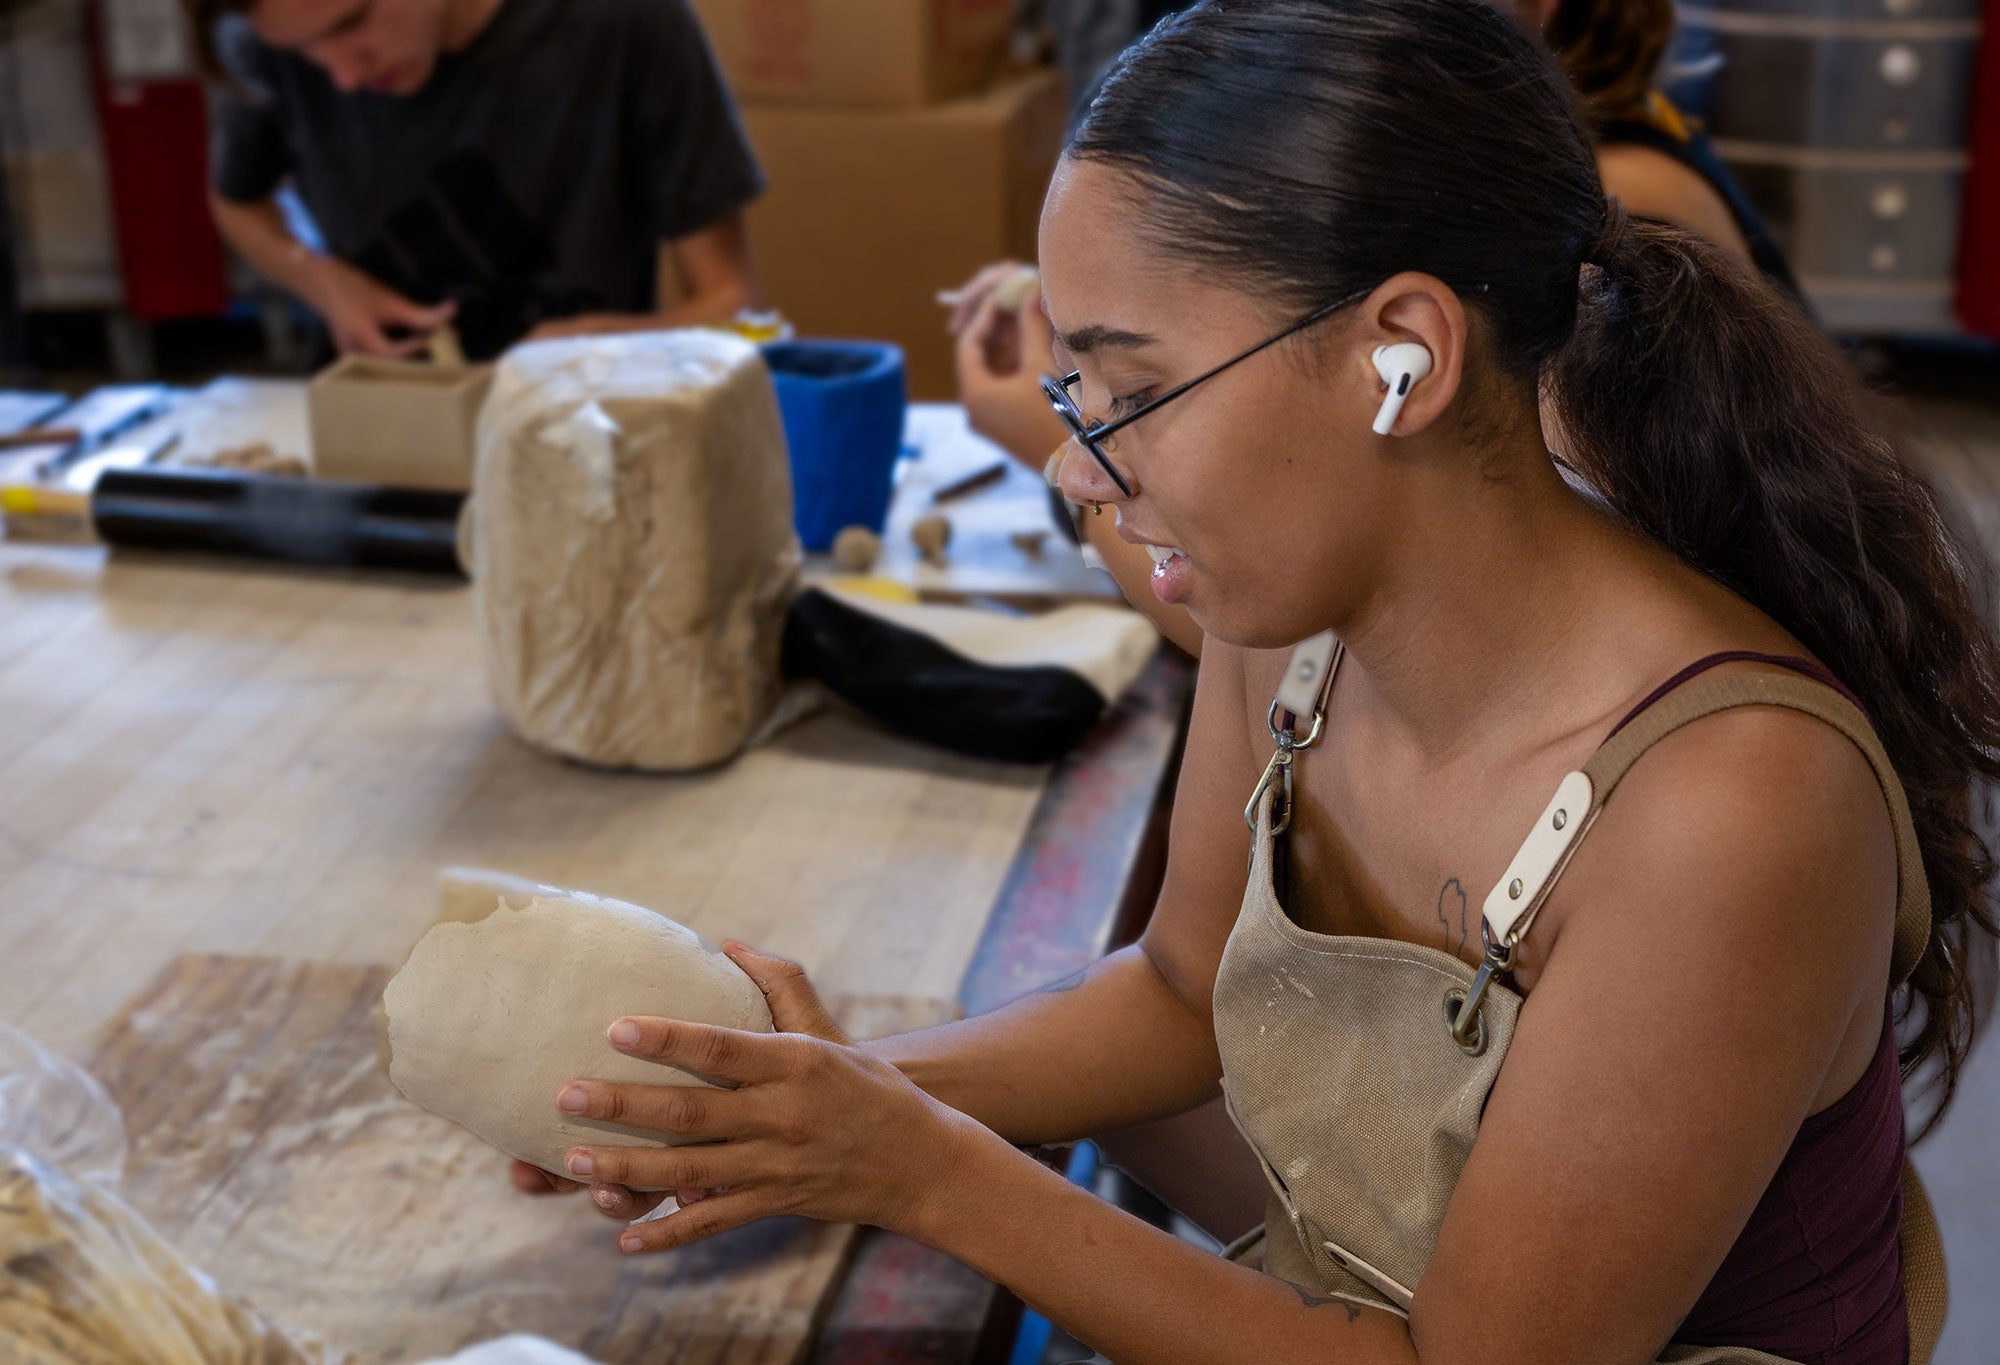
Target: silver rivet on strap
(1518, 890)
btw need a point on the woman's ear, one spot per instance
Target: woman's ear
(1414, 339)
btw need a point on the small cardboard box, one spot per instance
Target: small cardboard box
(400, 422)
(880, 53)
(871, 212)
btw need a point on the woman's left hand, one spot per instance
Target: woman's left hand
(815, 1126)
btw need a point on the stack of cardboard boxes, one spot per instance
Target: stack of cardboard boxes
(902, 154)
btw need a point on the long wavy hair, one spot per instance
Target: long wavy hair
(1611, 50)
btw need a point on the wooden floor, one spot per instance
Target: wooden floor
(1957, 430)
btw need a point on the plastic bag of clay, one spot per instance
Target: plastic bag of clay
(83, 1279)
(517, 1349)
(57, 1112)
(631, 547)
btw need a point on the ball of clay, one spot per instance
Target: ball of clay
(931, 534)
(1015, 290)
(487, 1020)
(856, 549)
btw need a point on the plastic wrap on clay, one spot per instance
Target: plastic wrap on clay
(631, 546)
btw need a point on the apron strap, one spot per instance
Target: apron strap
(1524, 888)
(1303, 692)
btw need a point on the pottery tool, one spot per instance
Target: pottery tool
(96, 420)
(26, 408)
(1013, 291)
(294, 521)
(445, 349)
(40, 436)
(971, 483)
(146, 448)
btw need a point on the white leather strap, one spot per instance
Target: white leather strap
(1511, 905)
(1398, 1296)
(1305, 675)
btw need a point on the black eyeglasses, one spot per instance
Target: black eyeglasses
(1088, 436)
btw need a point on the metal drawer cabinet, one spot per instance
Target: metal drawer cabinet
(1858, 84)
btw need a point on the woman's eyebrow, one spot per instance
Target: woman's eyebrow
(1097, 338)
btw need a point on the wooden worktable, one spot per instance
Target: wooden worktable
(242, 760)
(267, 767)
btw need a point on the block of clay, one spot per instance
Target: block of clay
(631, 547)
(399, 422)
(490, 1016)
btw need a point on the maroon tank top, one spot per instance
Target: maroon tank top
(1816, 1276)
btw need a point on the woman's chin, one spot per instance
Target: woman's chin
(1231, 628)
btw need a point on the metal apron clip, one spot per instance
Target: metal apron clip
(1279, 770)
(1303, 691)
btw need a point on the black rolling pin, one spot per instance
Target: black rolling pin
(294, 521)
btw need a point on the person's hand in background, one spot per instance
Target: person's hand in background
(1004, 345)
(367, 317)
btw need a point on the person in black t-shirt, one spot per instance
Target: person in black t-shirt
(517, 168)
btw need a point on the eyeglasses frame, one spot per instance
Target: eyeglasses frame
(1087, 436)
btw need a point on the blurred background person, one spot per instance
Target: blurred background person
(516, 168)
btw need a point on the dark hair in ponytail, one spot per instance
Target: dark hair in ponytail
(1761, 469)
(1313, 148)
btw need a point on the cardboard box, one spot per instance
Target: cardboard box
(857, 52)
(870, 213)
(400, 422)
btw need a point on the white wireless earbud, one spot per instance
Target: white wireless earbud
(1400, 366)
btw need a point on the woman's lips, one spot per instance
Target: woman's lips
(1170, 573)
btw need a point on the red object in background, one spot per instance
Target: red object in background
(155, 132)
(1979, 239)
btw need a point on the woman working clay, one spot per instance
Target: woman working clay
(1650, 158)
(1585, 875)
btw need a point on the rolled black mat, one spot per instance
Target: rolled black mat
(296, 521)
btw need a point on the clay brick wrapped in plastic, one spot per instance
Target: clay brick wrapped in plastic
(631, 546)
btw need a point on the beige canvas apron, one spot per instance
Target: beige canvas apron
(1342, 1064)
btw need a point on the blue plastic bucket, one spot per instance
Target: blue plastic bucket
(843, 404)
